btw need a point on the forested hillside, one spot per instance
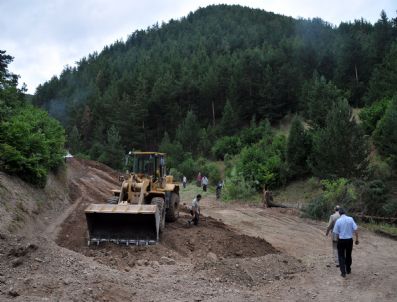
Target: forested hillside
(211, 85)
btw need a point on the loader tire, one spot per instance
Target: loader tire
(160, 204)
(113, 200)
(173, 211)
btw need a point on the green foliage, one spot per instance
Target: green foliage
(371, 115)
(335, 192)
(390, 207)
(298, 149)
(384, 78)
(188, 133)
(337, 152)
(227, 145)
(385, 135)
(188, 167)
(317, 97)
(379, 169)
(229, 121)
(113, 153)
(174, 151)
(237, 188)
(74, 142)
(31, 143)
(254, 133)
(263, 164)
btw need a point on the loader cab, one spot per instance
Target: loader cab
(148, 164)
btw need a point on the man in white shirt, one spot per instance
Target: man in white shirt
(345, 227)
(331, 223)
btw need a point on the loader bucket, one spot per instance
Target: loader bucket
(125, 224)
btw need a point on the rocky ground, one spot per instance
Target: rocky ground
(237, 253)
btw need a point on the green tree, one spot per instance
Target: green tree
(113, 152)
(317, 98)
(298, 148)
(385, 135)
(74, 140)
(229, 121)
(188, 132)
(371, 115)
(339, 149)
(31, 144)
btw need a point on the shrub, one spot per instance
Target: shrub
(390, 207)
(385, 134)
(237, 188)
(371, 115)
(379, 169)
(264, 164)
(31, 143)
(188, 167)
(227, 145)
(177, 175)
(335, 192)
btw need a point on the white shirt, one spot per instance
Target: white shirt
(345, 227)
(196, 204)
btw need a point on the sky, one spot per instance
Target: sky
(44, 36)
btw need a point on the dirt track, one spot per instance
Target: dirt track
(239, 253)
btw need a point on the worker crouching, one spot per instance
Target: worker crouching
(195, 210)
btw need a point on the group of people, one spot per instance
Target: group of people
(343, 229)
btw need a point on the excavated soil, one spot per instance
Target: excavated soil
(179, 241)
(237, 253)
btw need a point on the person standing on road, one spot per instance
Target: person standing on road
(184, 181)
(195, 210)
(331, 224)
(345, 227)
(204, 182)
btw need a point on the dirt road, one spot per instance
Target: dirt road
(237, 253)
(374, 268)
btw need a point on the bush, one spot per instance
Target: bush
(385, 134)
(264, 164)
(188, 167)
(390, 207)
(237, 188)
(31, 143)
(208, 169)
(227, 145)
(176, 174)
(379, 169)
(371, 115)
(336, 192)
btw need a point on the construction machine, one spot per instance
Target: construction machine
(137, 211)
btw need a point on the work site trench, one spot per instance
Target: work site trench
(211, 246)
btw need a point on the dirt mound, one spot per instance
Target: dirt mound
(182, 243)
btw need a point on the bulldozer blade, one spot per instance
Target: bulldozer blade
(123, 224)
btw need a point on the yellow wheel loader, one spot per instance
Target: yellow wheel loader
(136, 213)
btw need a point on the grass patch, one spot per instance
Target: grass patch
(298, 193)
(382, 228)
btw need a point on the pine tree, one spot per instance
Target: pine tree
(385, 135)
(229, 122)
(188, 132)
(339, 149)
(297, 149)
(74, 140)
(318, 97)
(113, 151)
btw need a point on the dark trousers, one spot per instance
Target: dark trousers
(195, 217)
(345, 247)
